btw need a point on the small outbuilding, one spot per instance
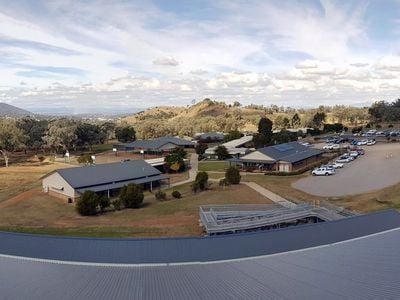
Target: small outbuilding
(104, 179)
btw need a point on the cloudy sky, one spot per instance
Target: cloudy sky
(118, 55)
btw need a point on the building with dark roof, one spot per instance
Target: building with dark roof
(286, 157)
(104, 179)
(166, 143)
(210, 137)
(351, 258)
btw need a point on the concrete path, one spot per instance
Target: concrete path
(194, 167)
(270, 195)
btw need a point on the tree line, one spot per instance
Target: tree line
(57, 135)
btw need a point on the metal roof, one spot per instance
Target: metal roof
(117, 185)
(173, 250)
(290, 152)
(96, 175)
(157, 143)
(366, 267)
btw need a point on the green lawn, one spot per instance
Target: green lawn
(213, 166)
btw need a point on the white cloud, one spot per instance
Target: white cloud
(166, 61)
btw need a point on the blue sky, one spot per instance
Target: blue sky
(128, 54)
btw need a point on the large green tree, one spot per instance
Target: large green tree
(61, 134)
(11, 137)
(125, 134)
(222, 153)
(34, 131)
(296, 121)
(89, 134)
(264, 136)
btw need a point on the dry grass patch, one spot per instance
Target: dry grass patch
(23, 177)
(41, 213)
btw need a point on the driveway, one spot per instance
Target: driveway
(377, 169)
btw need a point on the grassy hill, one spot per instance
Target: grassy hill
(7, 110)
(209, 115)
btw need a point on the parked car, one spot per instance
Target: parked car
(360, 151)
(353, 154)
(344, 160)
(371, 142)
(362, 142)
(328, 166)
(323, 171)
(331, 147)
(337, 165)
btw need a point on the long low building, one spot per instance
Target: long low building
(236, 148)
(105, 179)
(351, 258)
(286, 157)
(166, 143)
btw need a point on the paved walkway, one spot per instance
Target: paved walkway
(270, 195)
(194, 167)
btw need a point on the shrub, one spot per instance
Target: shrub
(104, 202)
(176, 195)
(85, 159)
(160, 195)
(222, 153)
(116, 203)
(132, 196)
(202, 180)
(232, 175)
(224, 182)
(88, 203)
(41, 158)
(195, 186)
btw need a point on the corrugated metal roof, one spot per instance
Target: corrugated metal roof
(169, 250)
(291, 152)
(157, 143)
(93, 175)
(105, 187)
(365, 268)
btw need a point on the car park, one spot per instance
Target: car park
(323, 172)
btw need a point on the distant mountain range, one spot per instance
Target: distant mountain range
(7, 110)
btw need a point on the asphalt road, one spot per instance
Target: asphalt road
(377, 169)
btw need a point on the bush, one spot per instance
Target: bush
(131, 195)
(116, 203)
(88, 203)
(41, 158)
(85, 159)
(222, 153)
(104, 202)
(202, 180)
(160, 195)
(224, 182)
(232, 175)
(176, 195)
(195, 186)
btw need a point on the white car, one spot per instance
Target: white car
(362, 142)
(323, 171)
(353, 154)
(331, 147)
(344, 160)
(371, 142)
(336, 165)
